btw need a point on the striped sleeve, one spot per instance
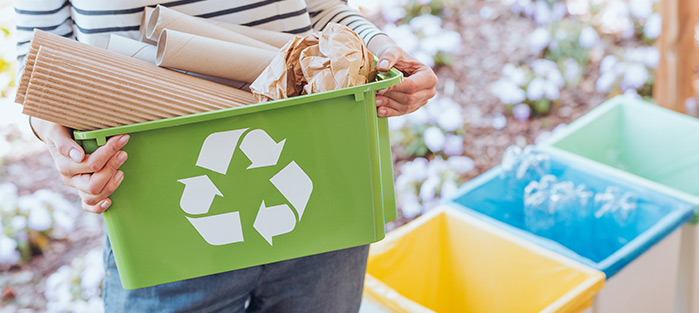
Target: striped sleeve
(323, 12)
(48, 15)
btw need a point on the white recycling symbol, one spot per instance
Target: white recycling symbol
(215, 155)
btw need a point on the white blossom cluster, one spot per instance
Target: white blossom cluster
(629, 73)
(525, 88)
(624, 17)
(543, 12)
(29, 221)
(77, 288)
(435, 127)
(422, 182)
(424, 38)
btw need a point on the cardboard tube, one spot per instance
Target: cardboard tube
(212, 57)
(132, 48)
(272, 38)
(147, 12)
(146, 52)
(163, 18)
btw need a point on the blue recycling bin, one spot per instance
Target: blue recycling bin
(601, 243)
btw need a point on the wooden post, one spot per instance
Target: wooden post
(674, 76)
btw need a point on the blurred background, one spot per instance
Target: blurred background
(511, 72)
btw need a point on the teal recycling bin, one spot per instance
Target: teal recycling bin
(656, 148)
(234, 188)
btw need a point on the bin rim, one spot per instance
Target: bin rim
(610, 265)
(549, 147)
(385, 80)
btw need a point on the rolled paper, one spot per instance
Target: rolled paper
(212, 57)
(132, 48)
(163, 18)
(147, 52)
(87, 88)
(275, 39)
(147, 12)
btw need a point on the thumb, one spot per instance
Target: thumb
(388, 58)
(66, 146)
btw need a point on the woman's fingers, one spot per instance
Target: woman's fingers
(100, 202)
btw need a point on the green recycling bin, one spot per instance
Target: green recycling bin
(654, 147)
(234, 188)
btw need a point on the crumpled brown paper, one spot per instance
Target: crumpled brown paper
(332, 59)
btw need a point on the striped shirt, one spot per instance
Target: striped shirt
(92, 21)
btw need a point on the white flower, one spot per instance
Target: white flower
(573, 72)
(410, 205)
(8, 250)
(92, 275)
(521, 112)
(392, 14)
(428, 24)
(499, 122)
(542, 67)
(434, 139)
(420, 116)
(578, 7)
(507, 92)
(448, 41)
(428, 189)
(415, 170)
(559, 11)
(424, 58)
(18, 222)
(64, 221)
(538, 40)
(451, 120)
(551, 90)
(449, 189)
(653, 26)
(635, 76)
(403, 35)
(39, 218)
(608, 63)
(486, 13)
(397, 122)
(424, 2)
(461, 164)
(454, 145)
(514, 74)
(536, 89)
(588, 38)
(542, 13)
(605, 81)
(640, 9)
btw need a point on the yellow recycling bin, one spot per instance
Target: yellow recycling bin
(448, 261)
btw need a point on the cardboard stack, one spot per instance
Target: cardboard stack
(87, 88)
(182, 65)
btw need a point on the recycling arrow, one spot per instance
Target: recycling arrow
(215, 155)
(199, 193)
(220, 229)
(273, 221)
(294, 185)
(261, 149)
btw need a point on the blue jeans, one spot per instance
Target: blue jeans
(327, 282)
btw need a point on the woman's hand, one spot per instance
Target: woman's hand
(416, 88)
(95, 176)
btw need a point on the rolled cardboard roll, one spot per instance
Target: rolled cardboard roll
(163, 18)
(132, 48)
(212, 57)
(272, 38)
(146, 52)
(147, 12)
